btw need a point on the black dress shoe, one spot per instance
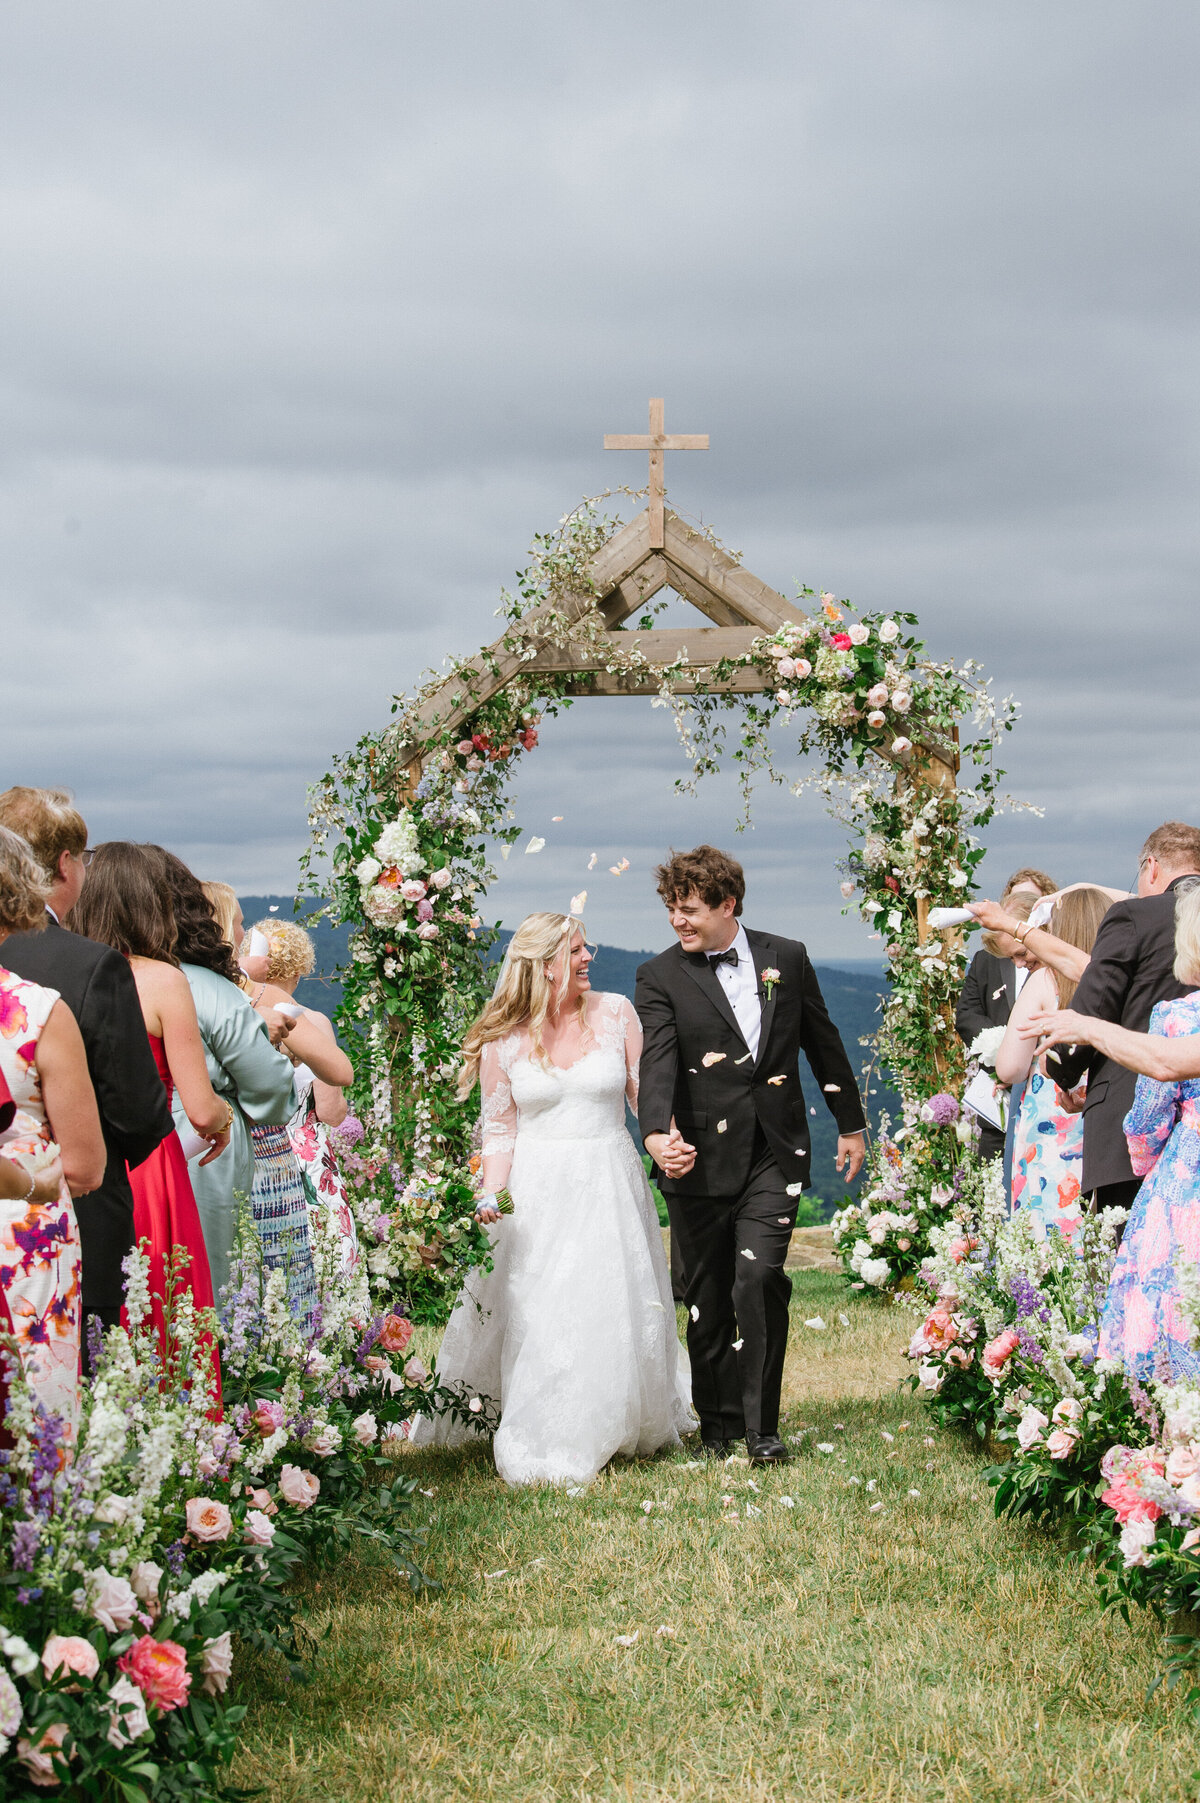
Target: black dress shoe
(766, 1449)
(716, 1449)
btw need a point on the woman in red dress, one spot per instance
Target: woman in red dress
(123, 906)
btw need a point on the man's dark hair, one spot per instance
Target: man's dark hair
(705, 872)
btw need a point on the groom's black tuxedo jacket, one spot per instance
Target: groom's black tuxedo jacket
(685, 1013)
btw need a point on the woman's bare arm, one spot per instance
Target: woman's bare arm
(331, 1105)
(1015, 1057)
(306, 1043)
(1151, 1054)
(70, 1101)
(1046, 947)
(168, 991)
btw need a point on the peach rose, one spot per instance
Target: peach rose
(159, 1669)
(38, 1761)
(1061, 1444)
(1182, 1464)
(208, 1520)
(395, 1333)
(262, 1499)
(258, 1529)
(298, 1487)
(70, 1653)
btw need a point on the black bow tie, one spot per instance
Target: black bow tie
(729, 957)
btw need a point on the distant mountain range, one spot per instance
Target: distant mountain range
(852, 994)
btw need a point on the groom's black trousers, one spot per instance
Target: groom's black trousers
(733, 1250)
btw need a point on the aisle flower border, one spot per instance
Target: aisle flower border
(408, 870)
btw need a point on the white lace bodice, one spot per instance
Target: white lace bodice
(582, 1100)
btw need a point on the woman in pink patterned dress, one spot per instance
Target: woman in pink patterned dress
(44, 1067)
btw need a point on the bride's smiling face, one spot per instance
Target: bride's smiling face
(578, 981)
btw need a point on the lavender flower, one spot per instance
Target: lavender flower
(940, 1110)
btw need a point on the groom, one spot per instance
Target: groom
(726, 1014)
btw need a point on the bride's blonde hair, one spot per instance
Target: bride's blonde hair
(533, 979)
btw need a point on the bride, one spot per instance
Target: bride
(572, 1333)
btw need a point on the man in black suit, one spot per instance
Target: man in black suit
(993, 982)
(725, 1015)
(98, 987)
(1132, 967)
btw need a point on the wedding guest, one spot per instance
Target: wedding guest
(44, 1070)
(279, 1198)
(243, 1066)
(992, 984)
(290, 957)
(1132, 968)
(1142, 1322)
(98, 987)
(123, 906)
(1048, 1139)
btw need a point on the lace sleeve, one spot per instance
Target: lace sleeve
(499, 1117)
(633, 1051)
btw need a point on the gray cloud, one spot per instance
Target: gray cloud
(312, 317)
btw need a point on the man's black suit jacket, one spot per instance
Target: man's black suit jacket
(987, 998)
(98, 987)
(685, 1014)
(1132, 968)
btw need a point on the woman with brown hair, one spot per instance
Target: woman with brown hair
(1048, 1147)
(123, 905)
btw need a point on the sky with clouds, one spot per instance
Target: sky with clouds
(312, 316)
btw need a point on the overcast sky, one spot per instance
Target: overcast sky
(312, 315)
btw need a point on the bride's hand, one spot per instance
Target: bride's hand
(487, 1210)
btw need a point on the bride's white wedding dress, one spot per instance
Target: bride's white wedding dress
(572, 1333)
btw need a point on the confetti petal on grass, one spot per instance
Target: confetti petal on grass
(914, 1493)
(875, 1508)
(751, 1485)
(854, 1480)
(888, 1437)
(751, 1510)
(870, 1483)
(429, 1493)
(502, 1573)
(928, 1441)
(664, 1633)
(711, 1058)
(746, 1253)
(816, 1323)
(647, 1506)
(535, 844)
(845, 1320)
(824, 1445)
(628, 1639)
(722, 1126)
(785, 1502)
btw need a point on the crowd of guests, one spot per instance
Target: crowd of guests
(1084, 988)
(158, 1085)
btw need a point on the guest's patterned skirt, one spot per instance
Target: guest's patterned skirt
(280, 1205)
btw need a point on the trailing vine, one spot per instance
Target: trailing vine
(408, 866)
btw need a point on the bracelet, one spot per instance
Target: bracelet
(1022, 931)
(28, 1196)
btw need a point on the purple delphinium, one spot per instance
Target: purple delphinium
(176, 1556)
(1027, 1297)
(25, 1543)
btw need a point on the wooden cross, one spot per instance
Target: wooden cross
(656, 441)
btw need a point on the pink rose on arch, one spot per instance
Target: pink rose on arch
(786, 667)
(878, 696)
(258, 1529)
(859, 634)
(1061, 1443)
(127, 1707)
(1182, 1464)
(875, 719)
(427, 930)
(425, 910)
(267, 1417)
(298, 1487)
(464, 748)
(262, 1499)
(803, 668)
(70, 1653)
(413, 889)
(112, 1602)
(208, 1464)
(208, 1520)
(38, 1761)
(440, 879)
(216, 1664)
(901, 700)
(159, 1669)
(997, 1353)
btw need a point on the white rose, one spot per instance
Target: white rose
(127, 1706)
(901, 700)
(930, 1377)
(1029, 1427)
(1136, 1539)
(145, 1579)
(440, 879)
(364, 1428)
(889, 632)
(367, 871)
(859, 635)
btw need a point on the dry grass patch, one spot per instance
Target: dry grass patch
(827, 1650)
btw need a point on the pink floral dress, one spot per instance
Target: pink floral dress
(39, 1242)
(328, 1205)
(1142, 1323)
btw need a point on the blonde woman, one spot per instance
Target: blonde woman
(572, 1333)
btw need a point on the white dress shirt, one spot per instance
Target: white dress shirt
(740, 984)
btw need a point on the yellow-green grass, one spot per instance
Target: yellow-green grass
(918, 1651)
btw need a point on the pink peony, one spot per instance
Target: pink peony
(1126, 1500)
(216, 1663)
(159, 1669)
(298, 1487)
(1061, 1443)
(1029, 1427)
(258, 1529)
(208, 1520)
(129, 1718)
(70, 1653)
(1182, 1464)
(464, 748)
(38, 1761)
(939, 1328)
(394, 1333)
(112, 1602)
(997, 1353)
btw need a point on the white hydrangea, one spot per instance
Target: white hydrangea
(397, 845)
(875, 1271)
(367, 871)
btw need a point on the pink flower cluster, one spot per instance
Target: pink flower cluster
(1123, 1466)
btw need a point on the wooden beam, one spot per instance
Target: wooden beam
(621, 682)
(634, 592)
(700, 647)
(715, 571)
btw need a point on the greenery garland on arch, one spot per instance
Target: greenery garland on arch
(408, 868)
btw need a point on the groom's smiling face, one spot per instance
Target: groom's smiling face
(701, 928)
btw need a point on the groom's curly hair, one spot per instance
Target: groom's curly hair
(705, 872)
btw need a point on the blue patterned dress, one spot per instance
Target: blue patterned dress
(1047, 1157)
(1142, 1324)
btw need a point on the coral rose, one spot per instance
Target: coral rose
(70, 1653)
(159, 1669)
(208, 1520)
(395, 1333)
(1061, 1444)
(1126, 1500)
(298, 1487)
(997, 1353)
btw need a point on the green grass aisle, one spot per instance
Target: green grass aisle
(866, 1642)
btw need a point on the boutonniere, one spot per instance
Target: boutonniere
(769, 978)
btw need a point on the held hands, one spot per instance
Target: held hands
(671, 1152)
(851, 1151)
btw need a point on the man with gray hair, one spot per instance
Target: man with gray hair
(1132, 967)
(97, 985)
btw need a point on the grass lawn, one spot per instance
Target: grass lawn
(866, 1642)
